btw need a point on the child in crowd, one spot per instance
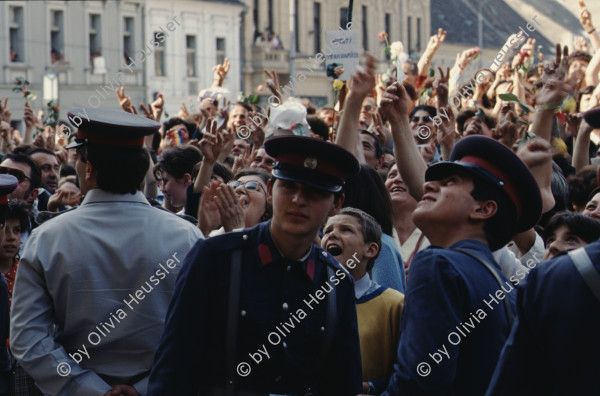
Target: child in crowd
(567, 231)
(354, 238)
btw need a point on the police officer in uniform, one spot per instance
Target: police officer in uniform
(554, 346)
(94, 283)
(265, 310)
(459, 306)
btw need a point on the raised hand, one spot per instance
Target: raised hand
(125, 101)
(208, 212)
(29, 116)
(230, 208)
(5, 113)
(157, 107)
(580, 44)
(63, 198)
(466, 57)
(183, 111)
(525, 54)
(363, 80)
(243, 161)
(556, 87)
(147, 111)
(436, 40)
(585, 17)
(394, 104)
(220, 72)
(440, 86)
(212, 142)
(272, 83)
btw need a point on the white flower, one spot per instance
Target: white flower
(396, 49)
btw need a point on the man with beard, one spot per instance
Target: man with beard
(459, 306)
(48, 164)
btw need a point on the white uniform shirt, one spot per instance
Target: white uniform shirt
(92, 291)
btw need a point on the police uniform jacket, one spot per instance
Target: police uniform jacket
(554, 347)
(281, 322)
(77, 271)
(453, 325)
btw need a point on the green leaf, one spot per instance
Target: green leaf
(431, 72)
(509, 97)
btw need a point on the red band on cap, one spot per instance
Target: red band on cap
(111, 140)
(3, 199)
(300, 160)
(509, 186)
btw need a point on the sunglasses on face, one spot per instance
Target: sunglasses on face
(250, 185)
(14, 172)
(418, 119)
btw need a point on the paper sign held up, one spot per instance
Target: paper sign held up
(344, 48)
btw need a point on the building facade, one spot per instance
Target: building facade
(403, 20)
(79, 52)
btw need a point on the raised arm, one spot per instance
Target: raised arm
(411, 165)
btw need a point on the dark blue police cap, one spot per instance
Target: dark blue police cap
(498, 164)
(311, 161)
(110, 127)
(592, 117)
(8, 184)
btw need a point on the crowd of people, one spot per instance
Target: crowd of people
(429, 233)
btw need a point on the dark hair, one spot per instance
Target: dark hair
(378, 147)
(179, 160)
(36, 173)
(585, 91)
(34, 150)
(156, 139)
(244, 105)
(171, 122)
(585, 227)
(414, 68)
(579, 55)
(121, 170)
(366, 191)
(470, 112)
(501, 227)
(265, 177)
(67, 170)
(370, 228)
(318, 126)
(581, 185)
(17, 210)
(430, 109)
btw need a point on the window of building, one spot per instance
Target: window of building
(128, 39)
(387, 22)
(220, 50)
(160, 68)
(418, 43)
(56, 37)
(317, 26)
(409, 32)
(343, 17)
(297, 26)
(190, 48)
(17, 30)
(365, 36)
(95, 37)
(270, 15)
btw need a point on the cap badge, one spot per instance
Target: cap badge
(310, 162)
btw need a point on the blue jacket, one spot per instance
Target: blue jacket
(280, 327)
(554, 346)
(453, 323)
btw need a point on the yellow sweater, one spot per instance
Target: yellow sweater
(378, 316)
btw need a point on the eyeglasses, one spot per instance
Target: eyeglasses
(19, 174)
(425, 119)
(250, 185)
